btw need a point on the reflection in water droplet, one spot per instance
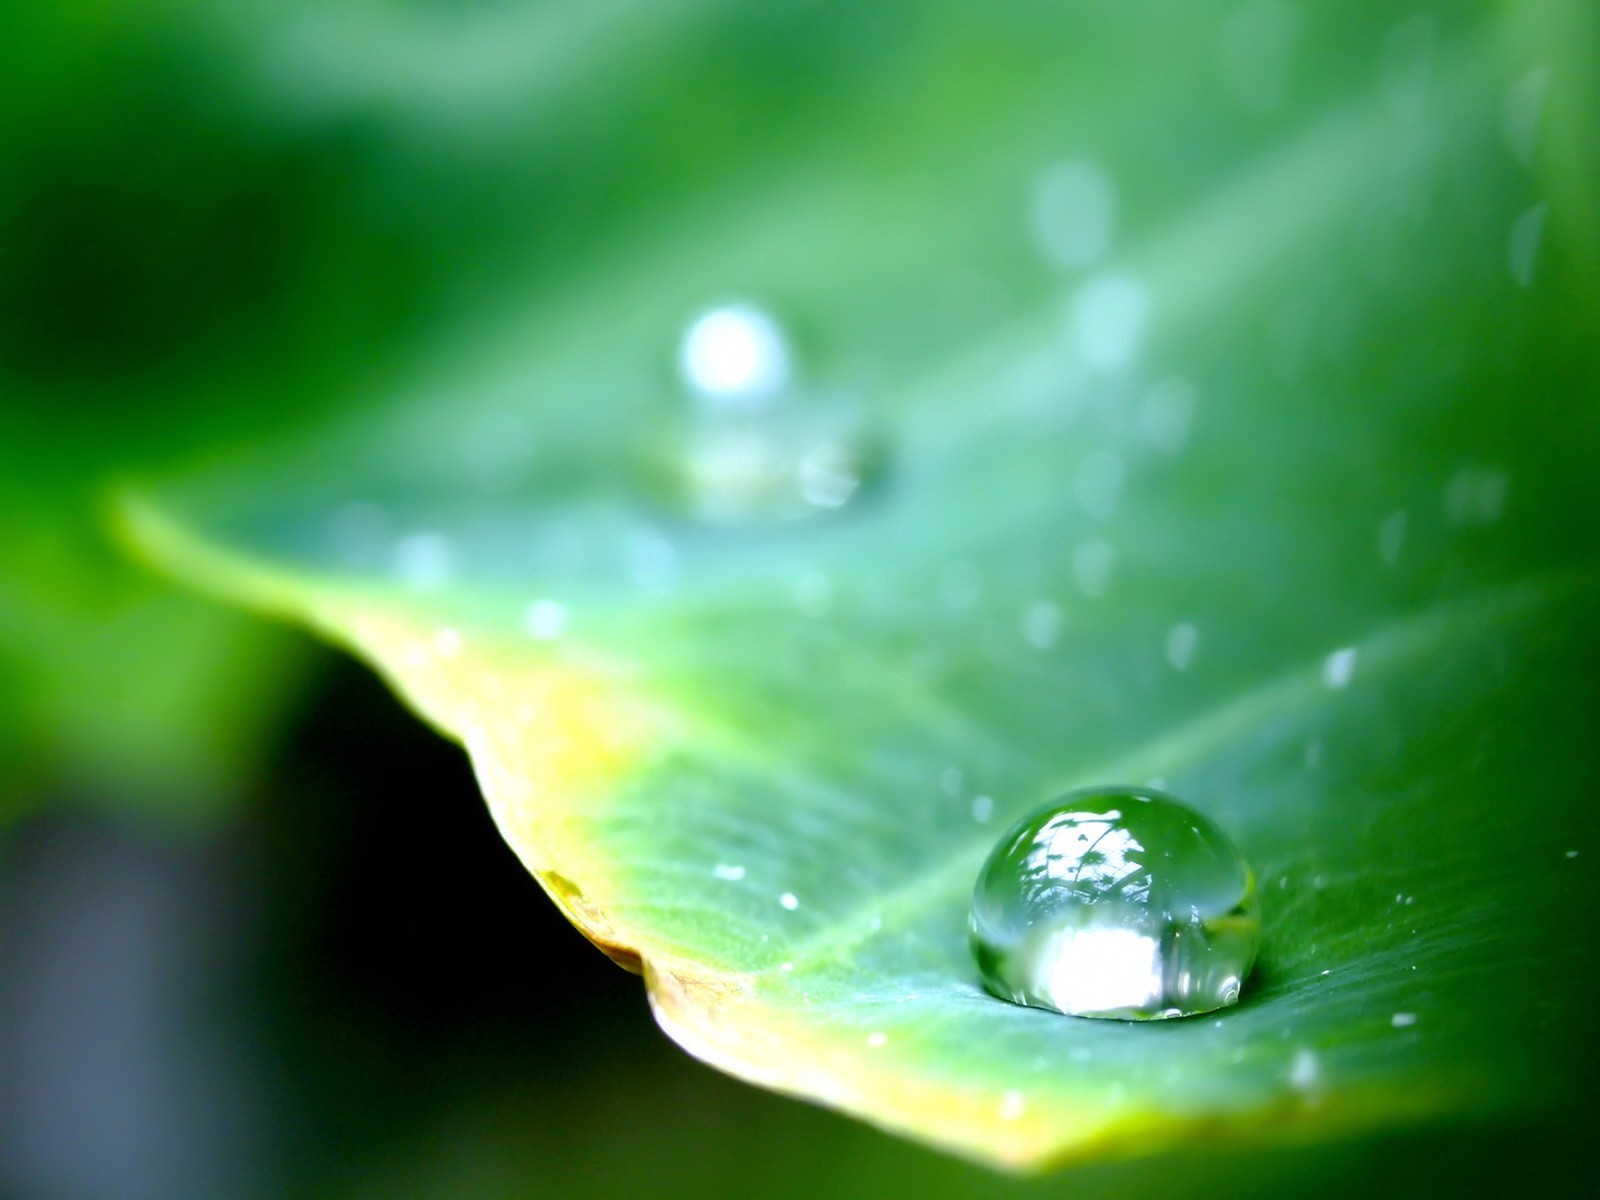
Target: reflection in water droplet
(1116, 902)
(735, 355)
(1182, 640)
(1257, 40)
(545, 620)
(1107, 320)
(1522, 244)
(1074, 210)
(1091, 567)
(1392, 537)
(1098, 484)
(1520, 118)
(1339, 668)
(1167, 412)
(1041, 624)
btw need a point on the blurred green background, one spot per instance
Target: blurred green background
(226, 967)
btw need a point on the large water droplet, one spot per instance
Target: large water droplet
(1116, 902)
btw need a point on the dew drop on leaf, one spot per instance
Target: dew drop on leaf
(1116, 902)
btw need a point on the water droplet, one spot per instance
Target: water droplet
(1392, 537)
(1041, 624)
(1074, 210)
(1339, 668)
(1107, 319)
(1182, 640)
(1098, 484)
(1572, 854)
(789, 901)
(424, 560)
(1403, 1020)
(1305, 1072)
(545, 620)
(1116, 902)
(756, 446)
(1091, 567)
(982, 809)
(1522, 243)
(1523, 108)
(729, 871)
(734, 356)
(1257, 40)
(1166, 414)
(1475, 496)
(813, 594)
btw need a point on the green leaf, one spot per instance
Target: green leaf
(1288, 503)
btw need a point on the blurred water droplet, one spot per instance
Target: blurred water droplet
(1074, 212)
(982, 808)
(1403, 1020)
(1339, 668)
(728, 871)
(1098, 484)
(1041, 624)
(1305, 1071)
(735, 355)
(1182, 641)
(1475, 496)
(1392, 537)
(424, 560)
(1256, 44)
(1523, 109)
(1092, 564)
(1167, 413)
(813, 594)
(789, 901)
(1523, 241)
(1107, 319)
(545, 620)
(1116, 902)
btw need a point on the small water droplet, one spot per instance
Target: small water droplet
(1523, 108)
(1522, 243)
(729, 871)
(1107, 319)
(1041, 624)
(424, 560)
(1098, 484)
(545, 620)
(789, 901)
(1392, 537)
(1091, 567)
(1074, 211)
(1116, 902)
(1167, 413)
(1475, 496)
(813, 594)
(1182, 640)
(982, 809)
(1403, 1020)
(1339, 668)
(1305, 1072)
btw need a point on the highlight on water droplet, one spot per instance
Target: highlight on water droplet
(734, 355)
(1116, 902)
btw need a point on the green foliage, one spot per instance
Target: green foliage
(1310, 538)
